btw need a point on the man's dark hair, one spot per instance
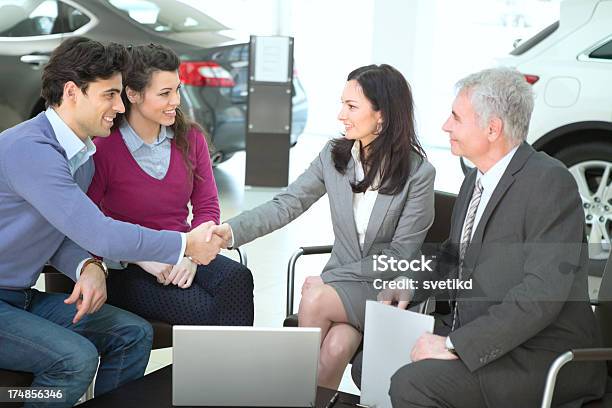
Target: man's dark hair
(80, 60)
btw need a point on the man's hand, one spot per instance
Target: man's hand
(402, 297)
(182, 274)
(89, 292)
(430, 346)
(198, 248)
(159, 270)
(223, 231)
(311, 282)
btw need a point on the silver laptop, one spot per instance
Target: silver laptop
(245, 366)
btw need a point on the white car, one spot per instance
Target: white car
(569, 65)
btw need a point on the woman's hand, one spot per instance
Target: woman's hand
(311, 282)
(159, 270)
(182, 275)
(223, 231)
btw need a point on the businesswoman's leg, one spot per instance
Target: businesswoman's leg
(322, 307)
(337, 350)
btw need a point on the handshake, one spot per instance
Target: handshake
(206, 240)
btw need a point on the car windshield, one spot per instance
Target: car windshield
(167, 16)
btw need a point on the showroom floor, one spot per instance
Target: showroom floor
(268, 256)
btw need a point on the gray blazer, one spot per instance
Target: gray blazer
(529, 302)
(397, 226)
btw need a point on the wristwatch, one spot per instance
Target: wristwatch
(98, 262)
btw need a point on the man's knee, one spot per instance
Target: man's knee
(408, 386)
(142, 332)
(78, 360)
(132, 330)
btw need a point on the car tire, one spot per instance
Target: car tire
(591, 166)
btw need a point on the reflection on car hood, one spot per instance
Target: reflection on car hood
(203, 39)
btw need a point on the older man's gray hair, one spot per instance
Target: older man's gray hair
(502, 93)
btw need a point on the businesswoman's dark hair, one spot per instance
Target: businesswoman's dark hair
(81, 61)
(389, 153)
(145, 60)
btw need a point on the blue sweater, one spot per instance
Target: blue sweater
(45, 215)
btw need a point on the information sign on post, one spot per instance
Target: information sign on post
(269, 107)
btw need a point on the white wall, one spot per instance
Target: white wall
(432, 42)
(332, 37)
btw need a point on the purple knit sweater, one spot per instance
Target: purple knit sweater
(125, 192)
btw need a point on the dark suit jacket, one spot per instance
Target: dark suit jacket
(529, 299)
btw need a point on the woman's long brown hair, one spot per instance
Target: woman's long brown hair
(145, 60)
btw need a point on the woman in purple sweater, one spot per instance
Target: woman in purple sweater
(154, 163)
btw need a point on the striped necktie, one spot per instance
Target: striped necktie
(466, 237)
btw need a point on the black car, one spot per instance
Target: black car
(213, 68)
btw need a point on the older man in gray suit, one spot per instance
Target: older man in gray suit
(516, 232)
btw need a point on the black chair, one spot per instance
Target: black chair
(438, 233)
(59, 283)
(603, 312)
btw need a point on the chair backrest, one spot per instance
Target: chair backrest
(440, 229)
(603, 311)
(57, 282)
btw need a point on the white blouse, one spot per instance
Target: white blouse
(363, 203)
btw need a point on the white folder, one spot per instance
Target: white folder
(389, 336)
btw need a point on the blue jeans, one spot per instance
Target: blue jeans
(37, 336)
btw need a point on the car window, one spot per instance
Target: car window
(27, 18)
(73, 17)
(169, 16)
(535, 40)
(233, 54)
(603, 52)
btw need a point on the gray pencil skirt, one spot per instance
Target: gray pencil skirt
(353, 296)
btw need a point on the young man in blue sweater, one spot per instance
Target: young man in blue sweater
(45, 216)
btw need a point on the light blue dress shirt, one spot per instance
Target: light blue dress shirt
(153, 158)
(77, 151)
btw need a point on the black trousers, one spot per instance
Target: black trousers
(221, 294)
(449, 384)
(431, 383)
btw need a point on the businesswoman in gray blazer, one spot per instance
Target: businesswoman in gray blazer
(380, 189)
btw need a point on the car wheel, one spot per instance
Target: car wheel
(591, 166)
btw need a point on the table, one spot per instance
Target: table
(155, 390)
